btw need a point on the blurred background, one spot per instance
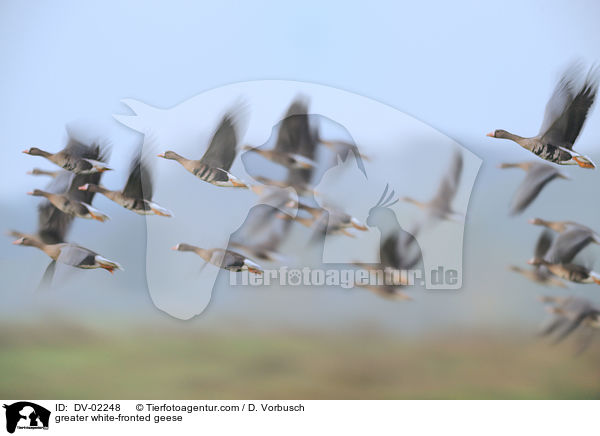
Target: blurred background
(463, 69)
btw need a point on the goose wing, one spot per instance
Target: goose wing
(568, 244)
(395, 251)
(297, 136)
(566, 111)
(553, 325)
(570, 327)
(78, 149)
(94, 152)
(537, 177)
(293, 128)
(48, 275)
(449, 184)
(223, 145)
(74, 255)
(543, 244)
(139, 184)
(53, 224)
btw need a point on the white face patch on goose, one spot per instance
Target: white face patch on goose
(358, 146)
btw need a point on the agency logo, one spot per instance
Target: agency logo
(26, 415)
(314, 160)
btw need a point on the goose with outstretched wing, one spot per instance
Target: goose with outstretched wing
(565, 115)
(539, 273)
(76, 157)
(137, 192)
(568, 315)
(72, 201)
(216, 162)
(440, 206)
(538, 175)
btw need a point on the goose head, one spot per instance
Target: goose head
(171, 155)
(34, 151)
(183, 247)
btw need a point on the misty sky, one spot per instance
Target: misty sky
(464, 68)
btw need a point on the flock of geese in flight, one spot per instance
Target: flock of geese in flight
(297, 149)
(554, 258)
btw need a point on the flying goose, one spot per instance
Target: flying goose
(137, 193)
(540, 274)
(214, 165)
(295, 137)
(337, 221)
(301, 187)
(288, 160)
(440, 206)
(40, 172)
(69, 199)
(399, 252)
(75, 157)
(572, 238)
(538, 175)
(568, 315)
(71, 254)
(569, 271)
(265, 250)
(566, 112)
(225, 259)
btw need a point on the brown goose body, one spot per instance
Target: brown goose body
(40, 172)
(569, 271)
(71, 206)
(75, 157)
(141, 206)
(225, 259)
(539, 275)
(213, 175)
(288, 160)
(71, 254)
(137, 193)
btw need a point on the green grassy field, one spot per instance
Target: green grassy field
(65, 362)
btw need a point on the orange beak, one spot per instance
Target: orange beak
(491, 134)
(161, 155)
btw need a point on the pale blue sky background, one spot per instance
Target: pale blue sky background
(465, 68)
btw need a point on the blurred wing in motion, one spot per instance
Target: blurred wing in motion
(139, 184)
(53, 224)
(538, 176)
(46, 281)
(223, 145)
(543, 244)
(442, 201)
(74, 255)
(568, 244)
(566, 112)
